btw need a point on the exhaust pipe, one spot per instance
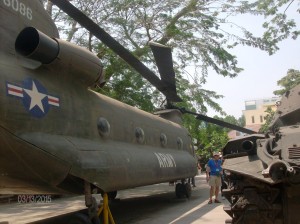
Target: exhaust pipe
(33, 44)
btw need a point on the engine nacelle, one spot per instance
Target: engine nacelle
(75, 62)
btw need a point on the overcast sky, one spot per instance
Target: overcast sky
(259, 78)
(260, 75)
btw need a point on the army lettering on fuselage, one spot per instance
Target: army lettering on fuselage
(19, 7)
(165, 160)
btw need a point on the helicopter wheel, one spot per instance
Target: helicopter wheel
(188, 190)
(80, 218)
(183, 189)
(112, 195)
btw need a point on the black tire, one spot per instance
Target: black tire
(112, 195)
(188, 190)
(80, 218)
(180, 190)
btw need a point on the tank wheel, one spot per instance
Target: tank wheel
(80, 218)
(251, 205)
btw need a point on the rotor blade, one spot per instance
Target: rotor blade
(216, 121)
(224, 124)
(164, 62)
(109, 41)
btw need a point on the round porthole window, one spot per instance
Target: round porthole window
(163, 139)
(179, 143)
(103, 127)
(139, 135)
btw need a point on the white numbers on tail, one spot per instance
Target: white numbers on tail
(165, 160)
(19, 7)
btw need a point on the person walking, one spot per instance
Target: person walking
(214, 179)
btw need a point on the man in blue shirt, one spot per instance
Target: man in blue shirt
(215, 168)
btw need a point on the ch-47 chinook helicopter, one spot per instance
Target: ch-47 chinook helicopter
(57, 136)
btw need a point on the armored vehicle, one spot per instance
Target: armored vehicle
(263, 170)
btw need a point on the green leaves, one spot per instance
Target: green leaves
(197, 31)
(278, 25)
(268, 119)
(289, 81)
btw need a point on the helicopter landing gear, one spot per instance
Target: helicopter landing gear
(94, 212)
(183, 189)
(111, 195)
(105, 211)
(80, 219)
(91, 204)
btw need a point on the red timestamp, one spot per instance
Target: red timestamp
(25, 198)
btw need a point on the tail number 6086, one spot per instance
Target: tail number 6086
(19, 7)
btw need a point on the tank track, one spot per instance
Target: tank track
(253, 203)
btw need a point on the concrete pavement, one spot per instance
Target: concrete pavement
(196, 210)
(155, 204)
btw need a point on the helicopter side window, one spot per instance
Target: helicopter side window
(179, 143)
(163, 139)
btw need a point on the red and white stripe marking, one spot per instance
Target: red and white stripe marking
(14, 90)
(54, 101)
(18, 91)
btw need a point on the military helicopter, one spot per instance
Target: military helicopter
(58, 136)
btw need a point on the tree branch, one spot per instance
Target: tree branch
(168, 32)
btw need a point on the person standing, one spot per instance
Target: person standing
(214, 179)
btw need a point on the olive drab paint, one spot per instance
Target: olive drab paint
(56, 133)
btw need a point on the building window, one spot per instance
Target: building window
(261, 119)
(250, 105)
(253, 121)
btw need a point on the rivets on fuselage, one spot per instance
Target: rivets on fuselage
(103, 127)
(163, 139)
(139, 135)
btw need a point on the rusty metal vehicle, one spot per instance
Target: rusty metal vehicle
(263, 170)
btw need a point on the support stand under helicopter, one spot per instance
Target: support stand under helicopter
(95, 212)
(103, 213)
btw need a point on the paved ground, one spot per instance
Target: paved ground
(146, 205)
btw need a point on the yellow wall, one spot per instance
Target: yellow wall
(258, 115)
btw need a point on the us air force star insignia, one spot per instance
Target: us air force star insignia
(34, 96)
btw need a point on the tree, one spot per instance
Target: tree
(193, 28)
(242, 121)
(268, 119)
(210, 138)
(289, 81)
(278, 26)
